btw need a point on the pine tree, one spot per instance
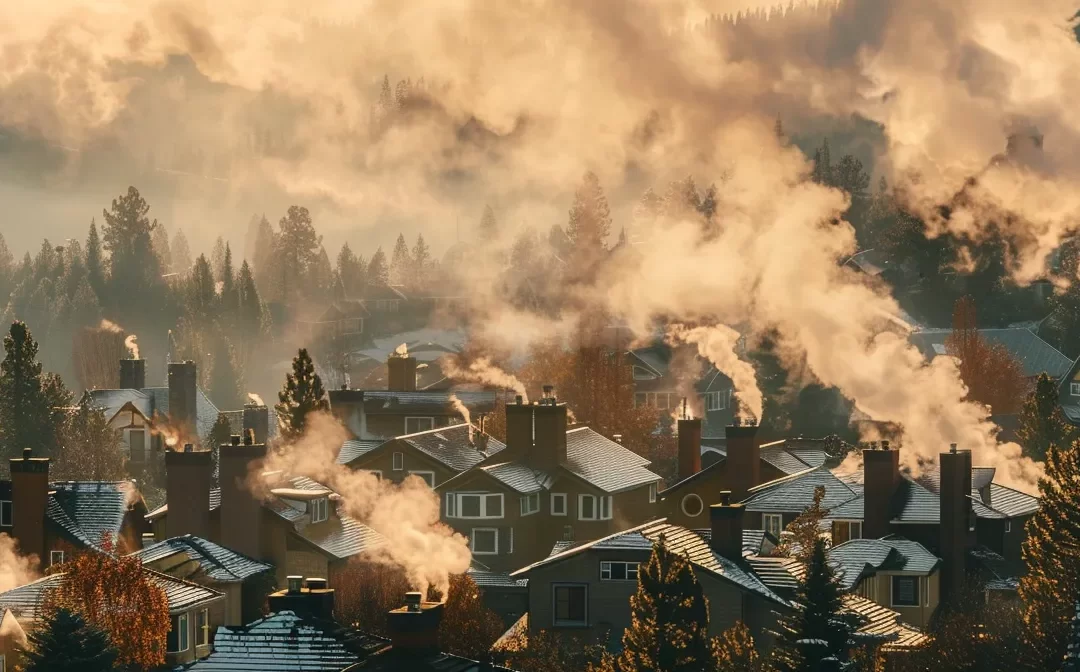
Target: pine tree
(265, 243)
(734, 651)
(226, 381)
(228, 282)
(816, 630)
(488, 230)
(302, 394)
(134, 269)
(351, 272)
(805, 529)
(421, 259)
(181, 253)
(202, 298)
(378, 274)
(217, 258)
(90, 450)
(64, 642)
(25, 415)
(161, 247)
(588, 228)
(249, 308)
(1042, 422)
(670, 618)
(297, 249)
(95, 265)
(400, 262)
(823, 170)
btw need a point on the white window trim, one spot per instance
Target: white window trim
(1008, 526)
(1074, 389)
(472, 540)
(526, 504)
(555, 605)
(561, 496)
(608, 503)
(11, 513)
(483, 505)
(766, 517)
(429, 418)
(652, 493)
(53, 558)
(451, 504)
(511, 541)
(320, 509)
(421, 472)
(581, 507)
(204, 630)
(399, 461)
(892, 591)
(606, 564)
(182, 634)
(695, 498)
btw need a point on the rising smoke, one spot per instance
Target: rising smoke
(255, 399)
(462, 409)
(132, 345)
(718, 345)
(482, 371)
(15, 569)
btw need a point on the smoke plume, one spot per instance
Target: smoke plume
(717, 344)
(15, 569)
(464, 411)
(482, 371)
(402, 350)
(132, 345)
(255, 399)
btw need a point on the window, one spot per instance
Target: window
(530, 504)
(320, 509)
(399, 461)
(845, 530)
(177, 639)
(568, 533)
(905, 591)
(570, 604)
(772, 523)
(1008, 526)
(451, 505)
(5, 513)
(414, 425)
(202, 627)
(618, 571)
(855, 530)
(692, 505)
(428, 476)
(56, 558)
(1074, 389)
(3, 663)
(137, 442)
(586, 506)
(511, 544)
(558, 503)
(652, 492)
(716, 401)
(485, 541)
(477, 505)
(661, 400)
(641, 399)
(605, 508)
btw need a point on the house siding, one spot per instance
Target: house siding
(381, 459)
(879, 588)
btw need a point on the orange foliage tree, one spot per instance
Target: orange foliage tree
(993, 376)
(468, 628)
(117, 596)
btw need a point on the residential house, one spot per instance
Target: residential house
(660, 384)
(1034, 354)
(548, 484)
(342, 321)
(195, 612)
(243, 581)
(891, 571)
(53, 520)
(1069, 393)
(367, 367)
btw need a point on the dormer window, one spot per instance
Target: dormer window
(320, 509)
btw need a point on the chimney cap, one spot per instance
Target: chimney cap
(885, 445)
(27, 453)
(952, 448)
(314, 583)
(725, 498)
(295, 582)
(517, 399)
(234, 440)
(413, 599)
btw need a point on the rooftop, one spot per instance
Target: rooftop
(151, 400)
(87, 511)
(794, 493)
(859, 558)
(214, 562)
(452, 446)
(1035, 354)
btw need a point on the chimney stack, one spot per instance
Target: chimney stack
(519, 428)
(187, 492)
(956, 518)
(148, 539)
(132, 374)
(29, 499)
(257, 419)
(881, 478)
(689, 447)
(401, 373)
(414, 628)
(743, 461)
(549, 435)
(183, 397)
(314, 600)
(727, 527)
(241, 509)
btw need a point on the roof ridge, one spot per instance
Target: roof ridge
(432, 430)
(588, 545)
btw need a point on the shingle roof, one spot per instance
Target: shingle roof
(215, 562)
(151, 400)
(479, 401)
(864, 557)
(88, 510)
(911, 503)
(778, 456)
(794, 493)
(519, 477)
(451, 446)
(1003, 501)
(354, 448)
(754, 542)
(342, 537)
(485, 577)
(1011, 502)
(605, 464)
(1036, 355)
(775, 572)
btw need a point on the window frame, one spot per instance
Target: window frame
(52, 558)
(1008, 526)
(692, 496)
(567, 623)
(484, 496)
(202, 632)
(472, 540)
(421, 473)
(559, 496)
(766, 517)
(429, 418)
(450, 505)
(398, 461)
(608, 564)
(653, 491)
(320, 510)
(893, 592)
(179, 624)
(606, 506)
(581, 507)
(530, 504)
(6, 504)
(131, 448)
(1074, 389)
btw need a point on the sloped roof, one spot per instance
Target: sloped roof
(794, 493)
(778, 456)
(354, 448)
(864, 557)
(451, 445)
(519, 477)
(151, 400)
(1035, 354)
(217, 563)
(1012, 502)
(485, 577)
(88, 510)
(604, 463)
(1003, 501)
(342, 537)
(477, 401)
(754, 542)
(776, 572)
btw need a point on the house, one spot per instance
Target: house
(891, 571)
(195, 612)
(435, 455)
(243, 581)
(293, 523)
(54, 520)
(548, 484)
(1034, 354)
(367, 367)
(661, 382)
(341, 321)
(1069, 393)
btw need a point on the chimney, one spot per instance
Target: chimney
(241, 509)
(401, 373)
(727, 527)
(182, 397)
(187, 492)
(148, 539)
(132, 374)
(257, 419)
(689, 447)
(414, 628)
(519, 428)
(881, 477)
(956, 519)
(743, 460)
(313, 600)
(29, 498)
(549, 436)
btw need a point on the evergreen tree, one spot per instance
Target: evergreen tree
(400, 262)
(302, 394)
(588, 227)
(297, 249)
(823, 170)
(421, 259)
(249, 308)
(228, 281)
(488, 231)
(1042, 422)
(135, 272)
(25, 416)
(95, 265)
(265, 244)
(805, 529)
(386, 98)
(320, 276)
(90, 450)
(734, 651)
(202, 298)
(7, 268)
(160, 242)
(816, 630)
(351, 272)
(226, 381)
(378, 274)
(217, 258)
(64, 642)
(181, 253)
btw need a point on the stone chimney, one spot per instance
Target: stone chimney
(241, 509)
(183, 398)
(727, 527)
(414, 628)
(132, 374)
(519, 428)
(881, 478)
(401, 373)
(187, 492)
(743, 460)
(549, 435)
(257, 419)
(313, 598)
(29, 499)
(689, 447)
(957, 519)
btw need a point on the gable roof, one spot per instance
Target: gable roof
(354, 448)
(519, 477)
(778, 454)
(88, 510)
(858, 558)
(454, 446)
(1035, 354)
(794, 493)
(603, 463)
(430, 402)
(217, 563)
(155, 400)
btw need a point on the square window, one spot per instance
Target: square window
(485, 541)
(428, 476)
(137, 442)
(773, 523)
(399, 461)
(855, 529)
(530, 504)
(202, 627)
(5, 513)
(56, 558)
(618, 571)
(558, 503)
(470, 506)
(586, 507)
(1074, 389)
(905, 591)
(570, 604)
(320, 509)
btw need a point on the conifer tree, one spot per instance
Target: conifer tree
(134, 269)
(25, 415)
(297, 249)
(351, 272)
(228, 282)
(95, 265)
(421, 260)
(302, 394)
(400, 262)
(202, 298)
(160, 241)
(378, 274)
(588, 227)
(217, 258)
(488, 226)
(7, 269)
(64, 642)
(181, 253)
(1042, 422)
(734, 651)
(249, 308)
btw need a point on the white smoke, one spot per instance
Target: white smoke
(718, 345)
(482, 371)
(132, 345)
(255, 399)
(462, 409)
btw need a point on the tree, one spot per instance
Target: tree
(202, 298)
(249, 307)
(734, 651)
(226, 381)
(228, 283)
(115, 594)
(365, 591)
(90, 449)
(297, 248)
(993, 376)
(135, 272)
(181, 253)
(823, 170)
(265, 244)
(350, 270)
(816, 629)
(25, 416)
(301, 395)
(589, 225)
(468, 627)
(488, 229)
(400, 262)
(805, 530)
(421, 261)
(547, 651)
(95, 265)
(378, 274)
(1042, 422)
(64, 642)
(160, 241)
(217, 258)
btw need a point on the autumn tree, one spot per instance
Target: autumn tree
(733, 651)
(468, 628)
(65, 642)
(547, 651)
(301, 395)
(90, 449)
(805, 530)
(1042, 422)
(116, 595)
(993, 376)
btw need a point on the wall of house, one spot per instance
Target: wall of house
(301, 560)
(382, 460)
(1012, 543)
(389, 425)
(125, 422)
(216, 616)
(879, 589)
(707, 487)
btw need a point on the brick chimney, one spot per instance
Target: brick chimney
(689, 447)
(257, 419)
(187, 492)
(132, 374)
(956, 518)
(519, 428)
(401, 373)
(241, 509)
(743, 460)
(881, 477)
(29, 498)
(414, 628)
(182, 398)
(549, 436)
(313, 598)
(727, 527)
